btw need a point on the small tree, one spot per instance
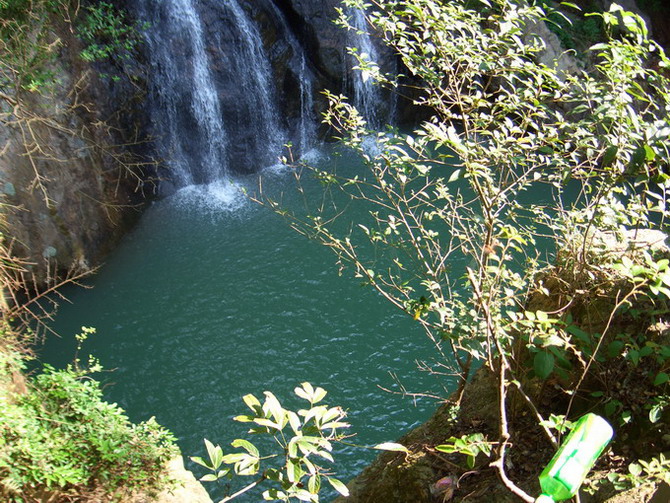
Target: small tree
(448, 234)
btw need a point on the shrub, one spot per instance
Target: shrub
(61, 438)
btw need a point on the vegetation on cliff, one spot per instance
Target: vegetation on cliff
(60, 441)
(71, 172)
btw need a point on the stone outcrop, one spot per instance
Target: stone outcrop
(65, 189)
(412, 478)
(186, 487)
(313, 22)
(408, 478)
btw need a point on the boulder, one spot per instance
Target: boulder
(185, 489)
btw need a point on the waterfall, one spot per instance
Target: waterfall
(214, 98)
(185, 97)
(306, 129)
(367, 96)
(255, 76)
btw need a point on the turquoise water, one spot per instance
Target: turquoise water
(212, 297)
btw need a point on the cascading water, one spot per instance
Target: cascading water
(367, 96)
(306, 129)
(185, 97)
(233, 302)
(215, 102)
(254, 73)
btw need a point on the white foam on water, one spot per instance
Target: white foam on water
(313, 156)
(371, 145)
(223, 196)
(276, 169)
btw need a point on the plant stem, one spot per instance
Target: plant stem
(243, 490)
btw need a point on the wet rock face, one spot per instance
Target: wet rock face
(325, 42)
(257, 104)
(65, 216)
(233, 76)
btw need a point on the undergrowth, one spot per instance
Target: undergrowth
(59, 439)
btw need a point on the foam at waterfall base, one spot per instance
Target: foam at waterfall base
(312, 157)
(219, 197)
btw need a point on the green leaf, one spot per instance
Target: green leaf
(391, 446)
(615, 348)
(267, 422)
(456, 175)
(252, 402)
(331, 414)
(273, 407)
(661, 378)
(302, 393)
(646, 351)
(248, 465)
(338, 486)
(274, 494)
(201, 462)
(293, 447)
(303, 495)
(655, 413)
(246, 445)
(334, 425)
(295, 467)
(314, 483)
(597, 47)
(650, 155)
(611, 407)
(311, 469)
(215, 454)
(579, 333)
(234, 457)
(634, 469)
(294, 421)
(243, 419)
(543, 364)
(210, 477)
(638, 158)
(319, 394)
(570, 4)
(610, 155)
(325, 455)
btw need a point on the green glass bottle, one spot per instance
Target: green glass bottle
(562, 477)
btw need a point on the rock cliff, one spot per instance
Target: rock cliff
(68, 181)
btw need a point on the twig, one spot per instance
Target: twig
(597, 348)
(538, 416)
(243, 490)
